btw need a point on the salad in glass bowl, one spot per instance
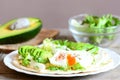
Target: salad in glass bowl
(97, 30)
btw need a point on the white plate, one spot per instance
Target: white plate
(114, 55)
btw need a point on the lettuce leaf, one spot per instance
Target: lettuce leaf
(77, 45)
(101, 25)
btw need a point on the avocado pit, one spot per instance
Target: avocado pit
(20, 24)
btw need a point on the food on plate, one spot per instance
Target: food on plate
(19, 30)
(99, 27)
(61, 57)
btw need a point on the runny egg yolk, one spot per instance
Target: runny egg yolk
(71, 59)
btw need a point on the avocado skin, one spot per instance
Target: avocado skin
(22, 37)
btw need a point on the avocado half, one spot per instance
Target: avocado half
(8, 36)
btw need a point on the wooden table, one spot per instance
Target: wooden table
(8, 74)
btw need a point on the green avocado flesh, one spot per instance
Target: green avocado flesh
(8, 36)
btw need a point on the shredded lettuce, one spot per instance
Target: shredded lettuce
(54, 68)
(100, 25)
(25, 62)
(77, 45)
(76, 66)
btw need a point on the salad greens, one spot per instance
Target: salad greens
(77, 45)
(54, 67)
(77, 66)
(100, 25)
(47, 49)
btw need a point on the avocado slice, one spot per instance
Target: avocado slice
(44, 56)
(9, 36)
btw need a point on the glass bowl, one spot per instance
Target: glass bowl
(97, 36)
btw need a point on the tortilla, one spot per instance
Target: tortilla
(17, 64)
